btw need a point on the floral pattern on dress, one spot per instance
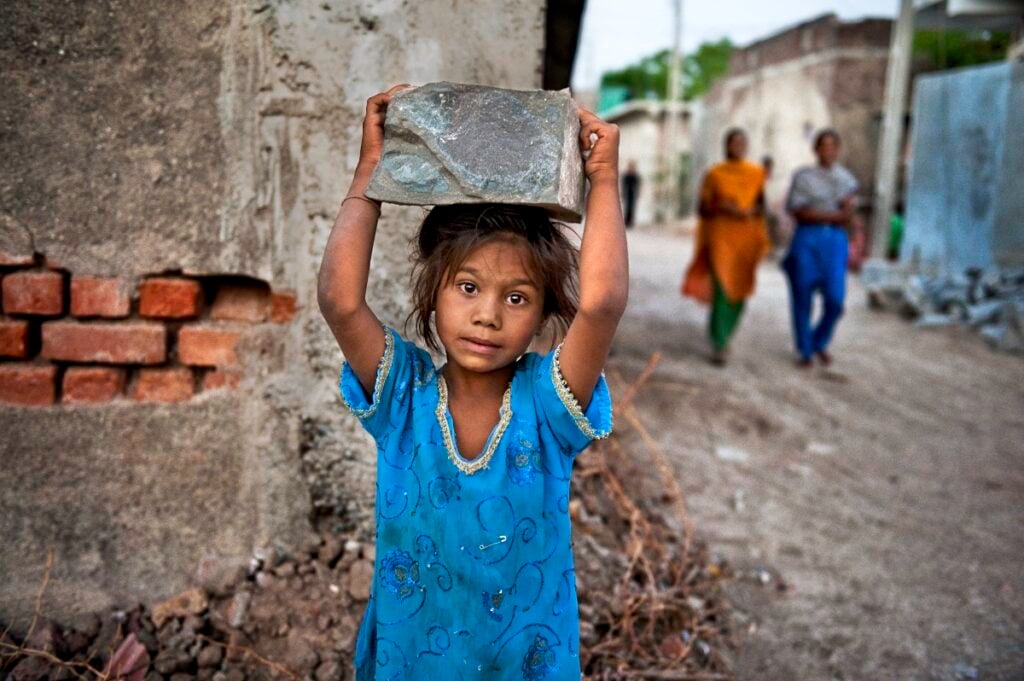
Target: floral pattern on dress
(399, 573)
(539, 660)
(474, 571)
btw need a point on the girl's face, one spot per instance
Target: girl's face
(490, 309)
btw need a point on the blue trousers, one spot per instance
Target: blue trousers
(816, 262)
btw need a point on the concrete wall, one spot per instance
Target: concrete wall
(964, 205)
(642, 130)
(823, 73)
(215, 139)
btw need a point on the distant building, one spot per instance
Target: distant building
(821, 73)
(643, 128)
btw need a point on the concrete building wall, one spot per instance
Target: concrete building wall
(210, 144)
(823, 73)
(963, 200)
(642, 138)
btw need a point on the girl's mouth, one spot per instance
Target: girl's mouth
(480, 345)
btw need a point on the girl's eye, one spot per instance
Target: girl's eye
(467, 287)
(516, 298)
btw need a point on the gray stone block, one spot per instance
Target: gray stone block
(450, 143)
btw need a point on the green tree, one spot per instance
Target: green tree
(702, 68)
(648, 78)
(937, 50)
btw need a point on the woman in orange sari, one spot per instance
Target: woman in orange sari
(731, 240)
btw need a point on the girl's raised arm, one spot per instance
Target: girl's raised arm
(341, 290)
(604, 265)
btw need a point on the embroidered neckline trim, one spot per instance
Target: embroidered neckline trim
(571, 403)
(467, 466)
(383, 369)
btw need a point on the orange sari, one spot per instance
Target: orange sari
(727, 247)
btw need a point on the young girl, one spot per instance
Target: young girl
(474, 568)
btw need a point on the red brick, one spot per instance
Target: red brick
(34, 293)
(100, 297)
(92, 384)
(207, 346)
(8, 258)
(282, 307)
(109, 343)
(31, 385)
(220, 378)
(13, 338)
(163, 385)
(169, 298)
(241, 303)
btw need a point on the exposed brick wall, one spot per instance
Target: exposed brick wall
(31, 385)
(167, 298)
(241, 303)
(92, 384)
(208, 346)
(73, 339)
(173, 384)
(109, 343)
(13, 338)
(35, 293)
(100, 297)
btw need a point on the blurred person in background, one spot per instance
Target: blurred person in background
(823, 200)
(630, 192)
(731, 240)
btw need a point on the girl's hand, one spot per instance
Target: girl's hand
(373, 127)
(603, 162)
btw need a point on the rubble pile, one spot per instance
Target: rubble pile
(285, 616)
(990, 301)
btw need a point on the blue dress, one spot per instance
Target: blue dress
(474, 568)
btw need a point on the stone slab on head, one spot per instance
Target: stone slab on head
(451, 143)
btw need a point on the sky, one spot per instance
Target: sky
(619, 32)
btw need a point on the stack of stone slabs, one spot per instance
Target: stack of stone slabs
(448, 143)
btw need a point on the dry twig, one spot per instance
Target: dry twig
(649, 626)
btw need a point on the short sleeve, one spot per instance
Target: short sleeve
(573, 427)
(391, 387)
(851, 185)
(799, 193)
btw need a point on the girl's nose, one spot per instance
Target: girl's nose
(487, 313)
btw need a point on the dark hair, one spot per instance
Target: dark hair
(733, 132)
(449, 234)
(827, 132)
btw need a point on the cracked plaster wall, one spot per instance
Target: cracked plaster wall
(208, 139)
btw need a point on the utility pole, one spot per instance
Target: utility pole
(887, 171)
(667, 157)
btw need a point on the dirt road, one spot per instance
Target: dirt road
(888, 492)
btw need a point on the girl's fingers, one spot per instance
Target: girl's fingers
(598, 128)
(395, 89)
(593, 127)
(379, 101)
